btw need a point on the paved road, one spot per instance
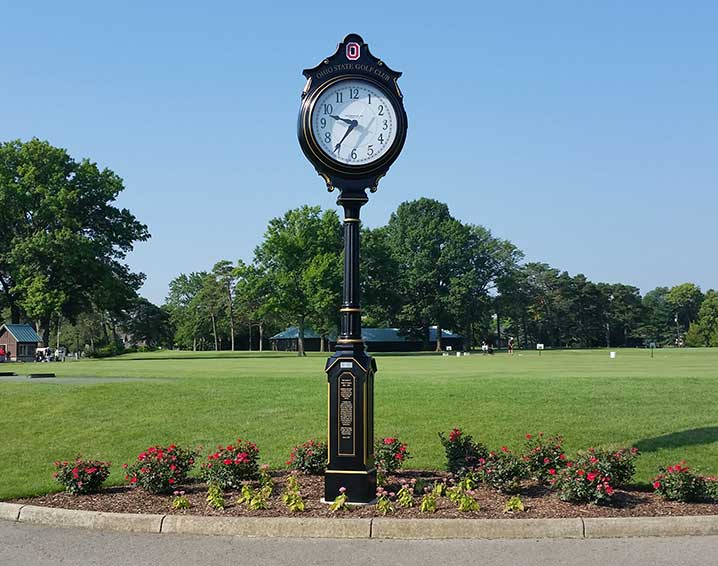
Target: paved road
(22, 544)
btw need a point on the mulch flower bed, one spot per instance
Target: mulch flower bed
(539, 502)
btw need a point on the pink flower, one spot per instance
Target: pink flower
(389, 440)
(342, 490)
(546, 460)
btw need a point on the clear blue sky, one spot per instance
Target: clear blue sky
(584, 132)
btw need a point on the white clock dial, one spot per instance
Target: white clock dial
(354, 122)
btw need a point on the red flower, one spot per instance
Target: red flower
(454, 435)
(546, 460)
(528, 437)
(133, 479)
(389, 440)
(227, 461)
(504, 449)
(656, 484)
(609, 490)
(562, 456)
(171, 480)
(398, 456)
(580, 472)
(552, 471)
(591, 476)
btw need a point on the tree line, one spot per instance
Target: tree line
(62, 269)
(425, 268)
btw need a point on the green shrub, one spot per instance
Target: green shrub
(309, 458)
(389, 455)
(462, 453)
(503, 470)
(542, 455)
(230, 465)
(81, 476)
(160, 469)
(679, 483)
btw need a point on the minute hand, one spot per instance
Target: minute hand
(352, 125)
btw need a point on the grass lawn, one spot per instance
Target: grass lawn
(667, 406)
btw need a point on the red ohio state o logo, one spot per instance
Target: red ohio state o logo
(353, 51)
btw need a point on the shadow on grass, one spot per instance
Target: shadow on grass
(691, 437)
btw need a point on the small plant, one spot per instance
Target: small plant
(232, 464)
(260, 498)
(514, 504)
(439, 489)
(467, 501)
(468, 481)
(503, 470)
(454, 493)
(383, 501)
(389, 455)
(543, 454)
(340, 503)
(180, 501)
(215, 496)
(292, 497)
(245, 495)
(679, 483)
(405, 496)
(160, 469)
(81, 476)
(309, 458)
(428, 502)
(265, 479)
(462, 453)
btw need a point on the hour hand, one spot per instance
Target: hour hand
(340, 118)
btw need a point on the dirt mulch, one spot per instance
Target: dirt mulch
(539, 502)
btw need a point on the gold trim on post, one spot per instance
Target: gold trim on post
(352, 220)
(329, 422)
(349, 341)
(349, 309)
(366, 440)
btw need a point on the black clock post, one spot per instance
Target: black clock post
(356, 164)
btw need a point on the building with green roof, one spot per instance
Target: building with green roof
(375, 340)
(20, 340)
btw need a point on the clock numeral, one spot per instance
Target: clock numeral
(354, 153)
(381, 110)
(327, 137)
(369, 150)
(386, 125)
(323, 122)
(328, 108)
(381, 138)
(340, 97)
(354, 93)
(370, 98)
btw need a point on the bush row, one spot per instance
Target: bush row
(592, 476)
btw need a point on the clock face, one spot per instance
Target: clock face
(354, 122)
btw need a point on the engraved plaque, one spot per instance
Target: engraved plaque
(346, 414)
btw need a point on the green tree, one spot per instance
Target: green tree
(381, 297)
(417, 233)
(295, 249)
(186, 314)
(704, 331)
(658, 317)
(148, 323)
(63, 240)
(685, 300)
(225, 276)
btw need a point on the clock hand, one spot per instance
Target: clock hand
(340, 118)
(353, 124)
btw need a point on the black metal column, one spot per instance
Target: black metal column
(350, 373)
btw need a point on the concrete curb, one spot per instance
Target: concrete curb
(476, 528)
(377, 528)
(699, 525)
(307, 527)
(128, 522)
